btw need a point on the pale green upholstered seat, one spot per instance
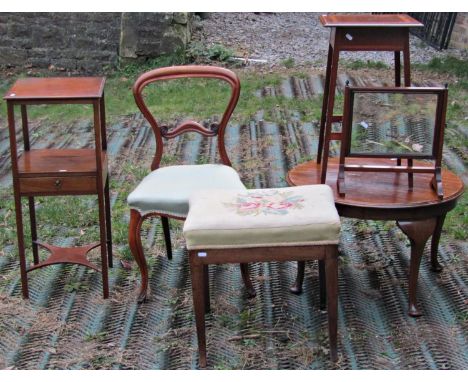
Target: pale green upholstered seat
(167, 189)
(291, 216)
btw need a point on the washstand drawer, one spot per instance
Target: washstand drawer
(350, 38)
(58, 185)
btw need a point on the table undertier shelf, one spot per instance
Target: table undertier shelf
(66, 255)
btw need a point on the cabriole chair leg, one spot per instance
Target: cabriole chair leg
(134, 241)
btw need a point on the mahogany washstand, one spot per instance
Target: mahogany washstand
(53, 172)
(364, 32)
(385, 196)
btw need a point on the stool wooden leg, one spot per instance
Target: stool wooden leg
(322, 285)
(247, 281)
(134, 241)
(206, 282)
(167, 236)
(296, 288)
(198, 293)
(331, 270)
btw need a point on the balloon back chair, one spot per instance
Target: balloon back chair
(165, 191)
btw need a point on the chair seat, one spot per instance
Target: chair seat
(167, 189)
(304, 215)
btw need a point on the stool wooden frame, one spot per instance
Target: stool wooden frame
(359, 33)
(163, 131)
(53, 172)
(200, 259)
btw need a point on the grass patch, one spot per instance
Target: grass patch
(457, 220)
(369, 64)
(448, 65)
(288, 63)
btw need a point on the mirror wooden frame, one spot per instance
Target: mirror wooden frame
(437, 139)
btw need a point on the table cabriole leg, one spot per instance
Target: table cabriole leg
(418, 232)
(435, 265)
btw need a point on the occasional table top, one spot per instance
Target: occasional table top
(56, 88)
(369, 20)
(380, 190)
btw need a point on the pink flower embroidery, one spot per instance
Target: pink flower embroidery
(249, 205)
(266, 202)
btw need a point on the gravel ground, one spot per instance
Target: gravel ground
(276, 37)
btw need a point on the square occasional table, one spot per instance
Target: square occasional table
(359, 32)
(58, 172)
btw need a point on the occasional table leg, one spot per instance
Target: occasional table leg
(103, 240)
(397, 68)
(329, 116)
(418, 233)
(326, 92)
(32, 218)
(435, 266)
(108, 223)
(22, 256)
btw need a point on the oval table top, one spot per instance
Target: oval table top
(382, 195)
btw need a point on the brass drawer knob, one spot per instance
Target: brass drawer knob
(58, 183)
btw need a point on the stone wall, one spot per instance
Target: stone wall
(151, 34)
(459, 38)
(88, 42)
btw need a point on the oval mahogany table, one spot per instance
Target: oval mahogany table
(419, 213)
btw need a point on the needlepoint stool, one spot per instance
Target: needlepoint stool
(278, 224)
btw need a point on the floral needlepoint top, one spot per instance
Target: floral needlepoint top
(274, 202)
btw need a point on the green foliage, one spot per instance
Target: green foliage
(75, 286)
(288, 62)
(100, 336)
(198, 52)
(457, 220)
(133, 69)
